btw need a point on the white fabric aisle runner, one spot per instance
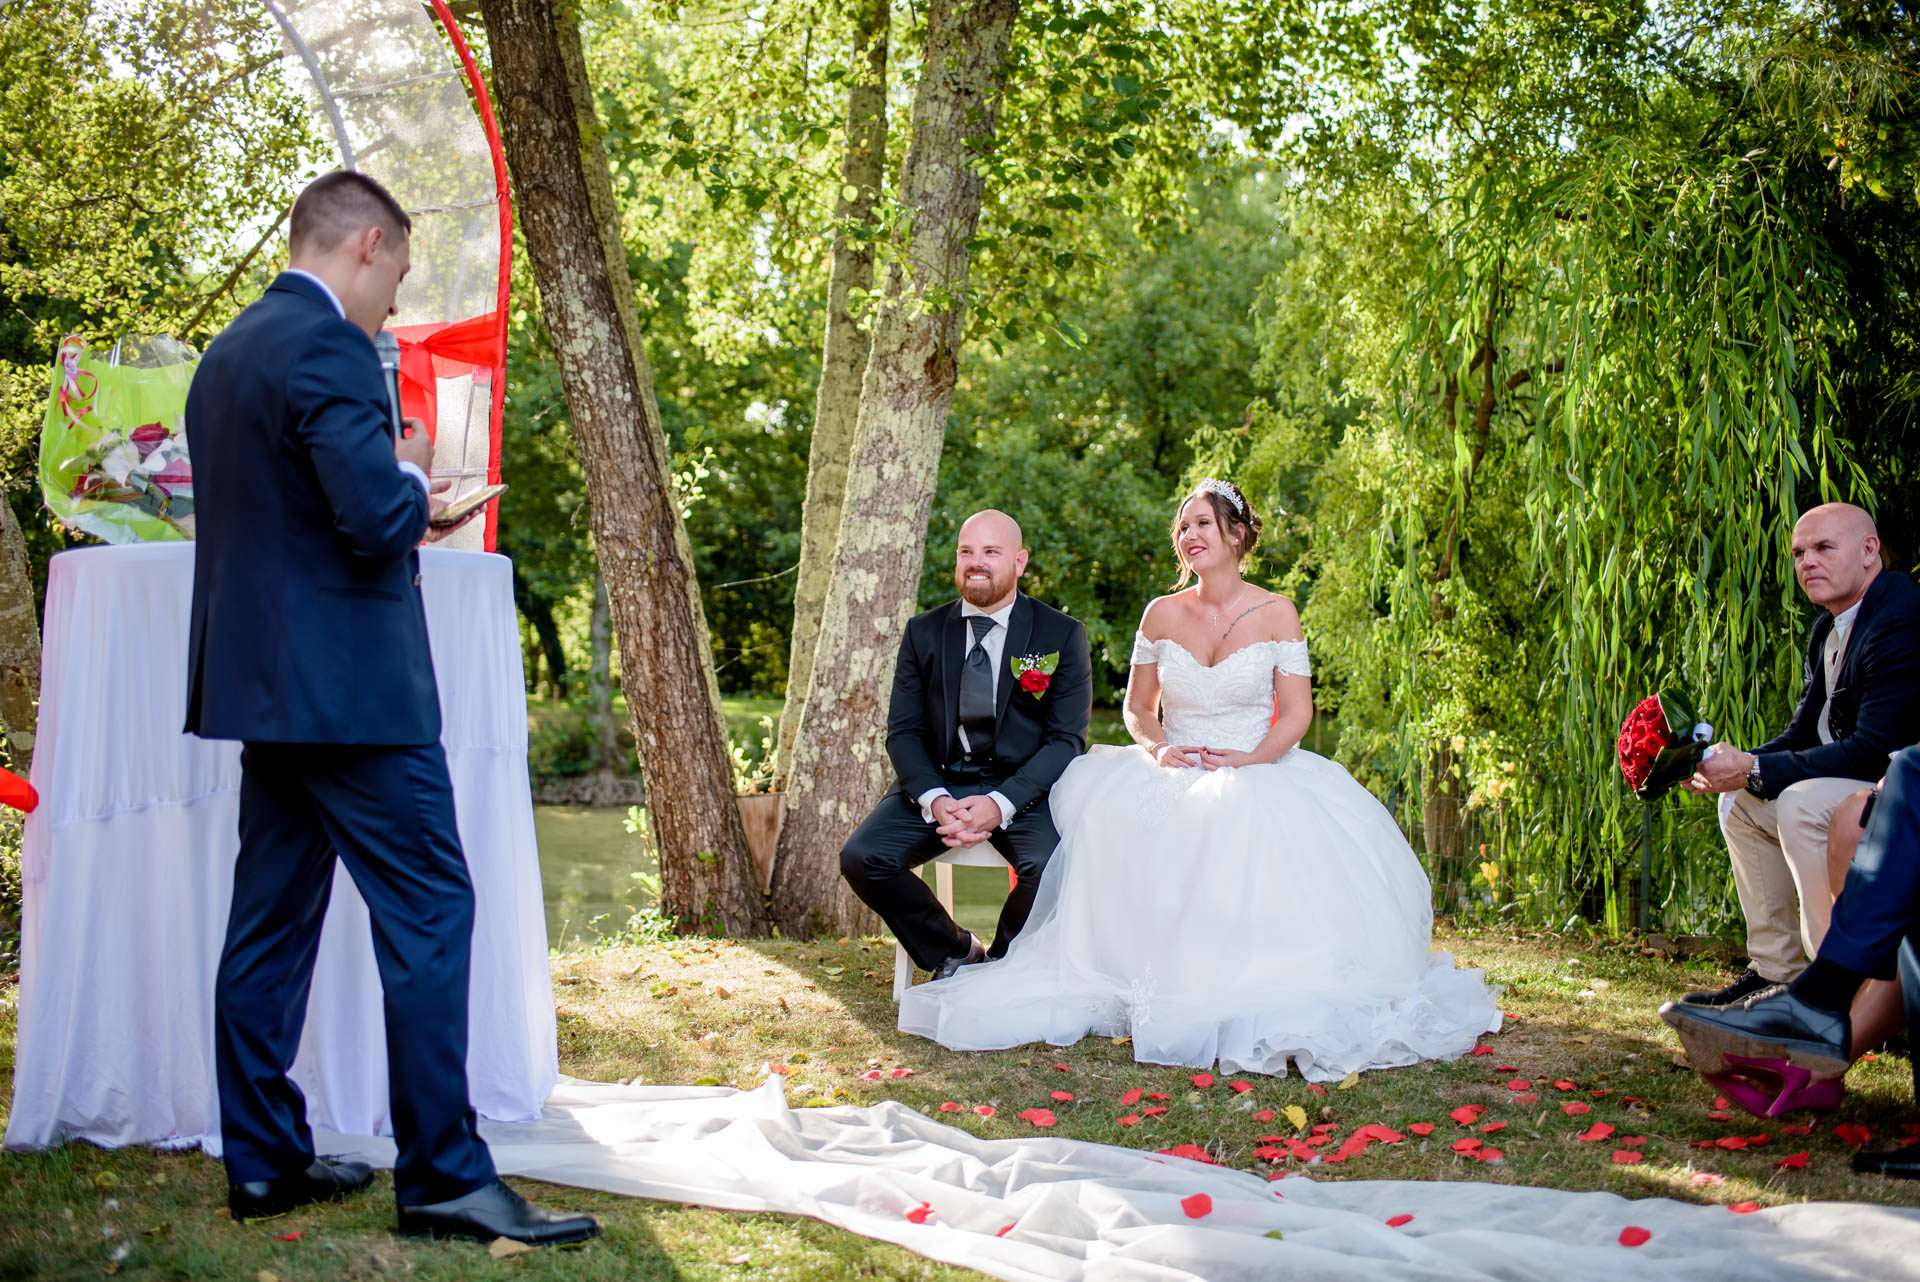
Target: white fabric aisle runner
(1099, 1213)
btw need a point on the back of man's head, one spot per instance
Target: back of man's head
(335, 206)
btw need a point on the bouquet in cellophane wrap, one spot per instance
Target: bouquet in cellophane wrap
(113, 446)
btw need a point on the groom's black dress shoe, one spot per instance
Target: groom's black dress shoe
(494, 1210)
(1750, 982)
(974, 954)
(258, 1199)
(1774, 1025)
(1896, 1164)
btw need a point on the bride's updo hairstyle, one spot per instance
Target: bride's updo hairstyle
(1231, 512)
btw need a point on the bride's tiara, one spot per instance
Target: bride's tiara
(1226, 492)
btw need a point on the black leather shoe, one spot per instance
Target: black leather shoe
(1773, 1025)
(1750, 982)
(973, 956)
(495, 1210)
(258, 1199)
(1895, 1164)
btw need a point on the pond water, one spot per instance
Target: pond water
(588, 862)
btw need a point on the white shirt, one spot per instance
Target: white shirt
(995, 644)
(1836, 652)
(411, 469)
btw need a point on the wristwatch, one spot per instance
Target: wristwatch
(1753, 779)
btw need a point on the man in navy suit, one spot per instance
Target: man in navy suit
(308, 644)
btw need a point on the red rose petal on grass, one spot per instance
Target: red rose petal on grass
(1564, 1085)
(1384, 1134)
(1854, 1135)
(1063, 1068)
(1719, 1115)
(1317, 1140)
(1708, 1179)
(1269, 1153)
(1603, 1091)
(1631, 1099)
(1315, 1088)
(1467, 1114)
(1632, 1141)
(1240, 1088)
(1490, 1155)
(1519, 1084)
(899, 1072)
(1190, 1151)
(1267, 1139)
(1264, 1115)
(1197, 1206)
(1793, 1162)
(1721, 1101)
(1527, 1098)
(1730, 1142)
(1744, 1208)
(1038, 1116)
(1633, 1235)
(1301, 1152)
(1700, 1144)
(290, 1236)
(1869, 1057)
(1155, 1111)
(1598, 1131)
(1796, 1128)
(1491, 1127)
(1757, 1140)
(985, 1110)
(1483, 1050)
(1626, 1157)
(921, 1213)
(1131, 1098)
(1063, 1097)
(1131, 1119)
(1157, 1095)
(1420, 1128)
(1506, 1068)
(1574, 1108)
(871, 1075)
(1003, 1230)
(1466, 1145)
(1324, 1127)
(1202, 1080)
(948, 1106)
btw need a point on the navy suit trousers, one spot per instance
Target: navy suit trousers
(1880, 903)
(387, 813)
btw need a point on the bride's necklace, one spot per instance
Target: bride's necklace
(1216, 614)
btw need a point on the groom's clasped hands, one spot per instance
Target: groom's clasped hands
(965, 821)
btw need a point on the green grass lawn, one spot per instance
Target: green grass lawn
(1582, 1012)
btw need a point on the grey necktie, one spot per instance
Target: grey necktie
(976, 690)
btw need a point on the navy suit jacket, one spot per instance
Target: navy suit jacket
(1876, 697)
(1037, 736)
(307, 621)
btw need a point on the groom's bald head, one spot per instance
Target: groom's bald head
(988, 559)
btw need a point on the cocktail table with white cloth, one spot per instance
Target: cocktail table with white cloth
(128, 870)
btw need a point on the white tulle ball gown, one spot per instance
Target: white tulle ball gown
(1247, 917)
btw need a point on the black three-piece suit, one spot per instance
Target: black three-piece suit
(1034, 737)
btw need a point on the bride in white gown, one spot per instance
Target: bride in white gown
(1220, 894)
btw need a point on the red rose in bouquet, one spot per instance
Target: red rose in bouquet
(1659, 745)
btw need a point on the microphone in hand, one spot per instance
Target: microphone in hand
(388, 348)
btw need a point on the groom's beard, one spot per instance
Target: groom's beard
(982, 593)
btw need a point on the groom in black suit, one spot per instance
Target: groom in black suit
(308, 643)
(991, 695)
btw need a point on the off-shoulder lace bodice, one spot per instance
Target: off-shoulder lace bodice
(1228, 705)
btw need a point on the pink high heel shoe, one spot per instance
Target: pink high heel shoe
(1773, 1087)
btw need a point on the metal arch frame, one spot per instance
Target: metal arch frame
(325, 90)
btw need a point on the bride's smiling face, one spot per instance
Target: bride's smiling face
(1199, 539)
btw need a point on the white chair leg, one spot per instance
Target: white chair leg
(902, 972)
(943, 885)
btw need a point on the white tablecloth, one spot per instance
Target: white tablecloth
(128, 871)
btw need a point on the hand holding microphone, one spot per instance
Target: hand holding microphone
(410, 442)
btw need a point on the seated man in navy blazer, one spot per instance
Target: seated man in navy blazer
(1859, 704)
(308, 643)
(991, 698)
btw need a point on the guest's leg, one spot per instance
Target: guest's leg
(281, 883)
(389, 812)
(1805, 811)
(1879, 1012)
(1028, 842)
(1765, 886)
(1844, 831)
(878, 863)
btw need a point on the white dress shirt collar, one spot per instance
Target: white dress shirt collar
(968, 609)
(325, 288)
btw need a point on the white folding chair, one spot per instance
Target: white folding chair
(982, 855)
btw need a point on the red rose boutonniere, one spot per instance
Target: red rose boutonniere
(1034, 672)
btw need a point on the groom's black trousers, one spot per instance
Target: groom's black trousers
(879, 861)
(387, 813)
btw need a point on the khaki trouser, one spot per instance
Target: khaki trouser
(1779, 852)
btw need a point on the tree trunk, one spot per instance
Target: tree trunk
(606, 736)
(538, 611)
(565, 198)
(19, 645)
(843, 361)
(840, 764)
